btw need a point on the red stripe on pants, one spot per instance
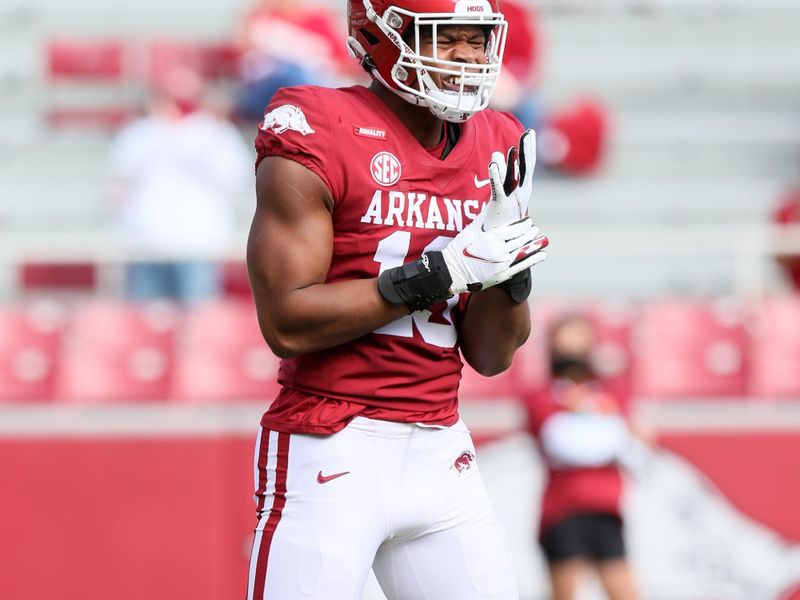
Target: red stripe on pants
(263, 451)
(278, 503)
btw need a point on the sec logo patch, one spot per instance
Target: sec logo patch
(385, 168)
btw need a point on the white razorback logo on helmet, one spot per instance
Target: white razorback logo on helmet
(286, 117)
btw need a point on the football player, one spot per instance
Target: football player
(391, 238)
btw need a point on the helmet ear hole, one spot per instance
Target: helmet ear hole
(358, 52)
(371, 39)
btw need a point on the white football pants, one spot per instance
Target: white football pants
(404, 499)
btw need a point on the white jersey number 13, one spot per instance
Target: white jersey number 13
(392, 252)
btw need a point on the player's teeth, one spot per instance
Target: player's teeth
(453, 81)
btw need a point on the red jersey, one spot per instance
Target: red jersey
(570, 491)
(393, 201)
(788, 213)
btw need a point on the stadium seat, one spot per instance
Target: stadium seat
(775, 349)
(97, 73)
(115, 352)
(85, 59)
(223, 357)
(612, 356)
(476, 387)
(235, 282)
(211, 61)
(29, 350)
(690, 349)
(50, 276)
(530, 369)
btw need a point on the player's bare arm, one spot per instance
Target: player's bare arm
(288, 256)
(494, 326)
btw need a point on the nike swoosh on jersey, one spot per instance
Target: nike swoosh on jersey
(326, 478)
(469, 254)
(479, 183)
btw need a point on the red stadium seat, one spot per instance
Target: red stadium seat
(476, 387)
(690, 349)
(98, 82)
(530, 369)
(58, 276)
(29, 350)
(791, 594)
(118, 352)
(775, 349)
(235, 282)
(222, 355)
(102, 60)
(612, 355)
(99, 69)
(210, 61)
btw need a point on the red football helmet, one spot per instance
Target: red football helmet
(378, 33)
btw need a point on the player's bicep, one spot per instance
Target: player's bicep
(291, 236)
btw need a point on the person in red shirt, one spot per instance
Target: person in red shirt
(788, 213)
(572, 137)
(391, 241)
(517, 90)
(283, 43)
(583, 437)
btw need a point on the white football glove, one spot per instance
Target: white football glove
(504, 171)
(502, 241)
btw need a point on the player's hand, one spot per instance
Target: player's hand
(502, 241)
(478, 259)
(511, 181)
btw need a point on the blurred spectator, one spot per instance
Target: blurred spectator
(788, 213)
(583, 437)
(284, 43)
(516, 88)
(177, 172)
(571, 139)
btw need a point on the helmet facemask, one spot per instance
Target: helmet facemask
(467, 87)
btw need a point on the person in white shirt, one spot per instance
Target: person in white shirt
(179, 171)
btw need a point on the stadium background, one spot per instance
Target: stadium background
(669, 242)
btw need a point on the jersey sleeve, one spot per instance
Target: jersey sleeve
(509, 127)
(505, 129)
(296, 126)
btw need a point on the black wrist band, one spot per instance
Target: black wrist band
(519, 286)
(418, 284)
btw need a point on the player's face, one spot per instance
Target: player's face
(457, 43)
